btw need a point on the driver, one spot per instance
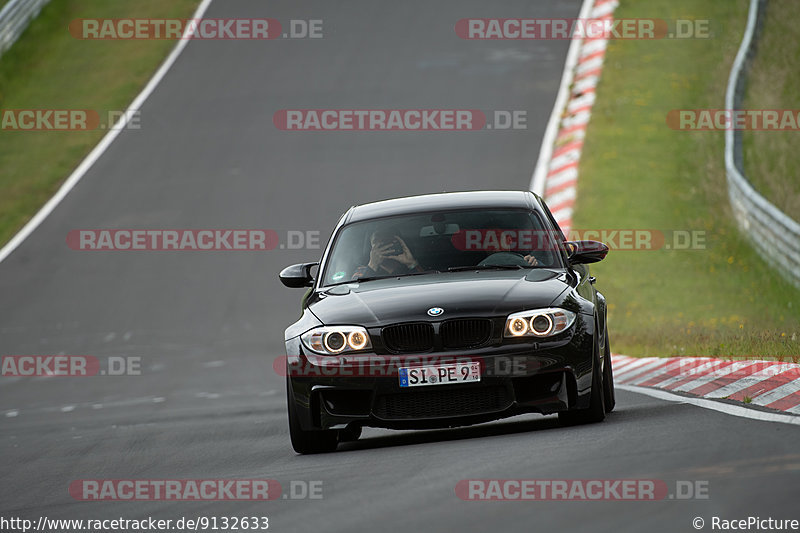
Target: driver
(389, 255)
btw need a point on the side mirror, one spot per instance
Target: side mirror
(298, 276)
(583, 252)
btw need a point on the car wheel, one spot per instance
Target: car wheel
(306, 442)
(608, 378)
(596, 411)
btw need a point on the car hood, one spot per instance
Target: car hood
(460, 294)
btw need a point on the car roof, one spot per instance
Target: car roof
(442, 201)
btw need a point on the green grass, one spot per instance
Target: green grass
(771, 158)
(48, 69)
(636, 172)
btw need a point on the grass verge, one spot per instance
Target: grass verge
(636, 172)
(771, 158)
(49, 69)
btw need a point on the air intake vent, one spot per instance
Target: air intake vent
(442, 403)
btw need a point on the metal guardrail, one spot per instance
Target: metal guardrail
(772, 232)
(14, 18)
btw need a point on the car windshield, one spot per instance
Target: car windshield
(440, 242)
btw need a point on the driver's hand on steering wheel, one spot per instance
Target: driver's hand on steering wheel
(531, 260)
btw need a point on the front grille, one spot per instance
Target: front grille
(465, 332)
(404, 338)
(442, 403)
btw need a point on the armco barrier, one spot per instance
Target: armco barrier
(14, 18)
(772, 232)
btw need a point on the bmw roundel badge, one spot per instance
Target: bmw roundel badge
(435, 311)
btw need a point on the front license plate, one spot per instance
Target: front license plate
(419, 376)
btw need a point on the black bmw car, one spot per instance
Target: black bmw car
(445, 310)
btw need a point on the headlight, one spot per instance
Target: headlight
(332, 340)
(538, 322)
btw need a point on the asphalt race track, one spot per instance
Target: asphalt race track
(208, 325)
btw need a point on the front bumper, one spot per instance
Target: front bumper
(533, 377)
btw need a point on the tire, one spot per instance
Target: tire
(307, 442)
(609, 398)
(596, 411)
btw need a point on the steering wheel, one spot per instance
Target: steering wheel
(505, 258)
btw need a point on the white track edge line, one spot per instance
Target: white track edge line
(546, 150)
(101, 147)
(735, 410)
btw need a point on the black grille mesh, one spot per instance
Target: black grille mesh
(465, 333)
(401, 338)
(442, 403)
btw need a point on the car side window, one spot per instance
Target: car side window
(558, 233)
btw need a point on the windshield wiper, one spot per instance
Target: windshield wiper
(371, 278)
(358, 280)
(485, 267)
(421, 273)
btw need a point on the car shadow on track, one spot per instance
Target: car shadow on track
(490, 429)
